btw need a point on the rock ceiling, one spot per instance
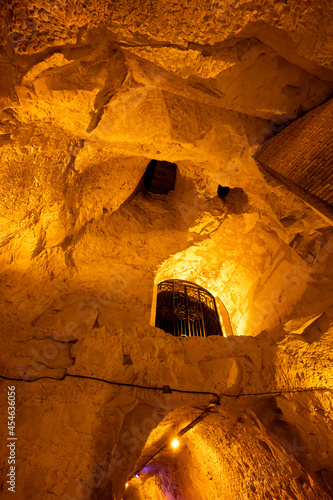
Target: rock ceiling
(90, 92)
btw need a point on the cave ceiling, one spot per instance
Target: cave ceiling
(90, 93)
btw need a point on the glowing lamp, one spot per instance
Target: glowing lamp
(175, 443)
(126, 485)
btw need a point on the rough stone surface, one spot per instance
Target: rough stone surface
(90, 93)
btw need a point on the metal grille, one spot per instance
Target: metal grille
(186, 310)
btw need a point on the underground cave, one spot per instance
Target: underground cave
(179, 145)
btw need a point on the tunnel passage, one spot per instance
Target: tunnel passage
(185, 309)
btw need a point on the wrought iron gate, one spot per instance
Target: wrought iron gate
(185, 309)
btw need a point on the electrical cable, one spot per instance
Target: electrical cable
(166, 389)
(198, 419)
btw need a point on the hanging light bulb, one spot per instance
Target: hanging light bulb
(175, 443)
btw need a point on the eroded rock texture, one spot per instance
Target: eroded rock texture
(90, 93)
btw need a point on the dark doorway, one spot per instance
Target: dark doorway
(160, 177)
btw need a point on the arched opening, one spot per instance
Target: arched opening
(185, 309)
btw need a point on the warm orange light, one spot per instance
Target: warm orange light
(126, 485)
(175, 443)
